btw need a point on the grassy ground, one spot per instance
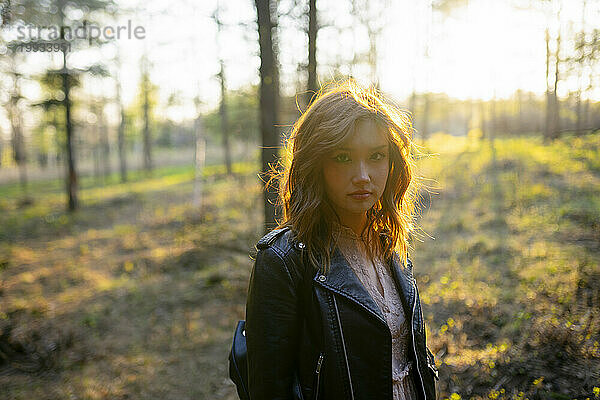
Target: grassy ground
(136, 295)
(511, 282)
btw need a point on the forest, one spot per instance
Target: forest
(135, 138)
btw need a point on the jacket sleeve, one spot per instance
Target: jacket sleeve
(272, 327)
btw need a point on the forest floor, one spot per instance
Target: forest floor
(136, 295)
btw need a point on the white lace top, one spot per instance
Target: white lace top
(377, 279)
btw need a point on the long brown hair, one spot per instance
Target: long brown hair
(329, 121)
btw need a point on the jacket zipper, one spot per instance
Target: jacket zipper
(318, 372)
(337, 313)
(412, 332)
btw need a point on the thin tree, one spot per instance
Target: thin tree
(52, 12)
(269, 107)
(224, 118)
(94, 141)
(313, 30)
(15, 118)
(223, 105)
(592, 58)
(552, 128)
(145, 86)
(426, 115)
(71, 170)
(519, 106)
(123, 119)
(104, 140)
(482, 120)
(547, 125)
(555, 101)
(199, 156)
(581, 46)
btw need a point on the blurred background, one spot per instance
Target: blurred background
(134, 137)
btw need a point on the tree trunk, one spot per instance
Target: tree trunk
(121, 129)
(19, 146)
(105, 145)
(587, 121)
(71, 170)
(580, 67)
(469, 117)
(547, 125)
(146, 112)
(312, 50)
(96, 156)
(16, 125)
(482, 119)
(42, 151)
(493, 119)
(412, 105)
(555, 101)
(373, 54)
(268, 103)
(578, 113)
(96, 147)
(425, 132)
(224, 120)
(121, 137)
(199, 160)
(223, 104)
(586, 114)
(519, 129)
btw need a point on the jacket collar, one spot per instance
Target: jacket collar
(342, 280)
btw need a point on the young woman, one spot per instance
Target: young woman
(333, 311)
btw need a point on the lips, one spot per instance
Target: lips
(360, 192)
(360, 195)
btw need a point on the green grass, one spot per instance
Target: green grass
(514, 263)
(132, 295)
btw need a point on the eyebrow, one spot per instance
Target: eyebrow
(372, 148)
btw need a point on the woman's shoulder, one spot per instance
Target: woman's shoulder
(269, 238)
(282, 241)
(278, 250)
(282, 238)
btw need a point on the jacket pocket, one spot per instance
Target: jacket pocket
(431, 363)
(317, 378)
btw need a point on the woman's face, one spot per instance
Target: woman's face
(356, 173)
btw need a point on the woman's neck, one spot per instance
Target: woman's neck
(353, 230)
(356, 224)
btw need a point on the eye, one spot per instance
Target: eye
(378, 156)
(342, 157)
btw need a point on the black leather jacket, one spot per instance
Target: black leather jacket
(311, 336)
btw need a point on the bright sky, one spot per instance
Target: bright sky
(488, 47)
(484, 49)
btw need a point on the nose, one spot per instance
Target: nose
(361, 175)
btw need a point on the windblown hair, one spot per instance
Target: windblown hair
(325, 125)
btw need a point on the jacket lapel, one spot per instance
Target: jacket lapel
(342, 280)
(404, 284)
